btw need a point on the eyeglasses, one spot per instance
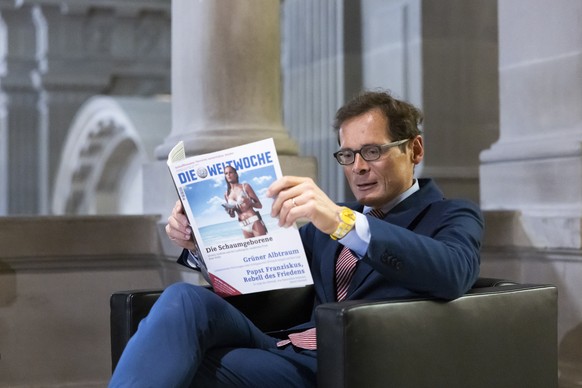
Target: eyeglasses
(368, 152)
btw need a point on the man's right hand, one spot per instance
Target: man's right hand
(178, 229)
(299, 197)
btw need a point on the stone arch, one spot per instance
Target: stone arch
(107, 144)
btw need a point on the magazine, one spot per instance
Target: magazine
(240, 245)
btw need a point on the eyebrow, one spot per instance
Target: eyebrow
(364, 145)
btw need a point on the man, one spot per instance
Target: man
(415, 243)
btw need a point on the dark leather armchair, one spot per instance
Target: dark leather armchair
(499, 334)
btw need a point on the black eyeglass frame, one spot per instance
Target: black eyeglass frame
(382, 148)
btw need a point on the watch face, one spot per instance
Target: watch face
(347, 220)
(347, 215)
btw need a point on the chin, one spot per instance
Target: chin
(367, 201)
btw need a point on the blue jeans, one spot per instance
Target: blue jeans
(192, 337)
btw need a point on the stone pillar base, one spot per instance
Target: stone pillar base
(510, 252)
(519, 229)
(538, 179)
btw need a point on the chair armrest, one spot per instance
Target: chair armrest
(270, 311)
(491, 337)
(127, 309)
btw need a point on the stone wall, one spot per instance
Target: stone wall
(508, 253)
(56, 277)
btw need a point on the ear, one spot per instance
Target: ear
(417, 147)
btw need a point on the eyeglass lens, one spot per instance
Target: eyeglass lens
(368, 153)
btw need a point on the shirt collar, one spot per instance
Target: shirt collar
(390, 205)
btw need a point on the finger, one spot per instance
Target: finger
(286, 218)
(177, 231)
(177, 209)
(170, 232)
(286, 189)
(179, 222)
(178, 240)
(284, 183)
(178, 227)
(179, 215)
(297, 208)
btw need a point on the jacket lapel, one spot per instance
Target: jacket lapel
(328, 270)
(402, 215)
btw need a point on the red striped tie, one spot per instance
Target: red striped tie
(345, 265)
(344, 270)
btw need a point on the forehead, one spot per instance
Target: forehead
(368, 128)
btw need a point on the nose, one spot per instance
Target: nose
(360, 166)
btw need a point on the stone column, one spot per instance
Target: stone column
(531, 178)
(226, 81)
(226, 89)
(536, 165)
(460, 94)
(21, 148)
(441, 56)
(3, 157)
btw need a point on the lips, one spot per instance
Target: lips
(365, 186)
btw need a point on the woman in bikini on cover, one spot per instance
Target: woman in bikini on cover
(242, 201)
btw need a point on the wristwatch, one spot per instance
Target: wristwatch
(347, 220)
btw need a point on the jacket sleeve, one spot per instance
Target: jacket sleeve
(438, 255)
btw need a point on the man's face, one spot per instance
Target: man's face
(377, 182)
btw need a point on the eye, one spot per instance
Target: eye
(371, 152)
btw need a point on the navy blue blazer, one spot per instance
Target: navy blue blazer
(426, 245)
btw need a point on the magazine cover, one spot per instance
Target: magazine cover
(242, 246)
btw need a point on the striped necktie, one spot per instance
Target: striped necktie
(344, 268)
(345, 265)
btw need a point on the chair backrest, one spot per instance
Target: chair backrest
(502, 336)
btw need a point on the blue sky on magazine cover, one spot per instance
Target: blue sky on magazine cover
(206, 197)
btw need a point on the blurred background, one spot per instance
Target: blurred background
(94, 93)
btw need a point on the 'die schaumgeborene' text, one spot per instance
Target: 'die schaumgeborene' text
(240, 244)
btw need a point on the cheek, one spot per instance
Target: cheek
(348, 173)
(389, 175)
(384, 173)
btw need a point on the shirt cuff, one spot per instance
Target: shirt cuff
(358, 238)
(195, 262)
(192, 260)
